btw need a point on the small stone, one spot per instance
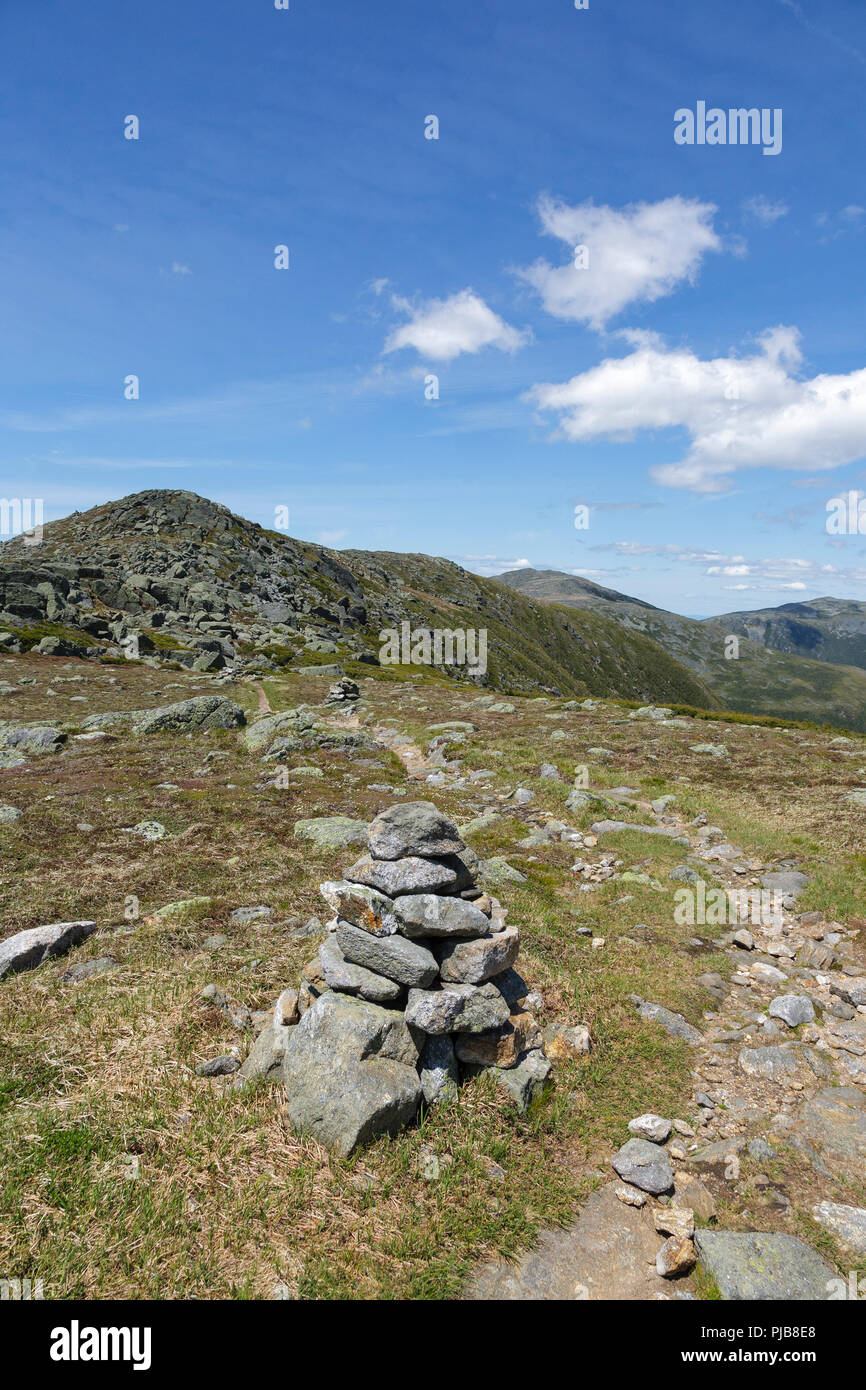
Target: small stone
(438, 1070)
(793, 1009)
(674, 1024)
(631, 1196)
(651, 1127)
(853, 991)
(525, 1083)
(675, 1221)
(264, 1061)
(769, 974)
(644, 1165)
(760, 1149)
(87, 969)
(433, 1010)
(350, 978)
(25, 950)
(677, 1256)
(218, 1066)
(149, 830)
(848, 1224)
(474, 962)
(286, 1009)
(693, 1195)
(364, 907)
(243, 915)
(430, 1166)
(772, 1063)
(332, 832)
(483, 1006)
(500, 1047)
(561, 1043)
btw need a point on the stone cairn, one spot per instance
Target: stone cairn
(413, 989)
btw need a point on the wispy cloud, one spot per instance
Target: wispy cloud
(768, 573)
(762, 210)
(797, 9)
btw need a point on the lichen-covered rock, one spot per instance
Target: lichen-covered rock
(266, 1056)
(484, 1006)
(340, 974)
(474, 962)
(364, 907)
(331, 832)
(499, 1047)
(526, 1082)
(434, 1011)
(22, 741)
(350, 1072)
(401, 876)
(28, 949)
(201, 712)
(561, 1043)
(393, 956)
(438, 1071)
(764, 1265)
(644, 1165)
(793, 1009)
(416, 828)
(425, 914)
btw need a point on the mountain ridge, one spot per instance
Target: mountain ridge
(763, 679)
(194, 583)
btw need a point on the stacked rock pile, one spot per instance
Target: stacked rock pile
(343, 692)
(413, 989)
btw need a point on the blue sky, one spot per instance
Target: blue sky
(700, 383)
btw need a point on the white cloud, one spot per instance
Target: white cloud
(784, 573)
(332, 538)
(441, 329)
(489, 564)
(177, 268)
(740, 412)
(763, 211)
(636, 254)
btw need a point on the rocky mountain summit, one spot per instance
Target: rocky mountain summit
(169, 577)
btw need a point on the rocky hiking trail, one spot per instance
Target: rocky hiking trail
(762, 1056)
(703, 1129)
(761, 1052)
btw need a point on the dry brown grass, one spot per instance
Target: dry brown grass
(227, 1201)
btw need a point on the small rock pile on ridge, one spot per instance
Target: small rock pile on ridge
(413, 989)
